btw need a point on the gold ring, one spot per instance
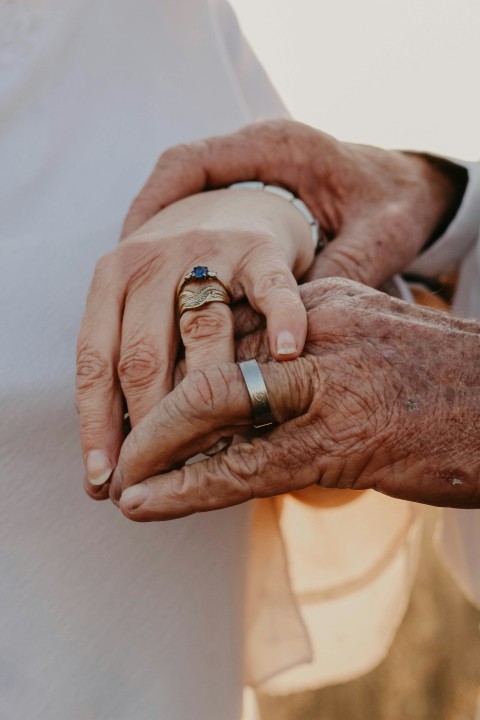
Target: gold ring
(195, 299)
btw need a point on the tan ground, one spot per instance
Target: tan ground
(431, 673)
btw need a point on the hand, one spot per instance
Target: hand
(385, 396)
(379, 206)
(128, 342)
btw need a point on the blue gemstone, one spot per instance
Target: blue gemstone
(199, 272)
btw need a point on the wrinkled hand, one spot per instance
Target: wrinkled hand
(128, 343)
(379, 206)
(385, 396)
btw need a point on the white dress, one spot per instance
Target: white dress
(101, 618)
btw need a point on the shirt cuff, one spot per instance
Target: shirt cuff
(446, 253)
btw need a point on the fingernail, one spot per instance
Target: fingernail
(134, 496)
(286, 344)
(98, 467)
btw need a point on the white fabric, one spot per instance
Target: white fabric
(458, 536)
(102, 619)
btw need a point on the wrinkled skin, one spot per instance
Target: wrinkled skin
(386, 396)
(378, 206)
(129, 340)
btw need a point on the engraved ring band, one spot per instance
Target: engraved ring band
(257, 390)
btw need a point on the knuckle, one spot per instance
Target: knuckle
(204, 390)
(206, 324)
(199, 391)
(355, 265)
(103, 265)
(140, 263)
(93, 369)
(141, 202)
(104, 271)
(245, 460)
(270, 285)
(339, 290)
(174, 153)
(246, 464)
(139, 365)
(94, 424)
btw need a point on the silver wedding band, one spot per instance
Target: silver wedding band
(257, 390)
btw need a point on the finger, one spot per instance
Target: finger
(99, 398)
(207, 334)
(188, 169)
(206, 406)
(148, 348)
(273, 291)
(267, 466)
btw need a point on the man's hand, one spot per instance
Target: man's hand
(380, 207)
(385, 396)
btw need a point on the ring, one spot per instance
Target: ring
(203, 274)
(262, 412)
(195, 299)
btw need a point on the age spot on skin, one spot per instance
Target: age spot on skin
(454, 477)
(412, 405)
(390, 354)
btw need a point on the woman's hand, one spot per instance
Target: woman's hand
(380, 207)
(128, 344)
(385, 396)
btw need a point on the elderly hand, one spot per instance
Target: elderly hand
(128, 345)
(379, 206)
(385, 396)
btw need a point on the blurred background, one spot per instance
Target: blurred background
(395, 74)
(388, 72)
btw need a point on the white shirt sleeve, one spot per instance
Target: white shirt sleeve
(446, 253)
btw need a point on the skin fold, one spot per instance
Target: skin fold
(363, 408)
(130, 335)
(384, 395)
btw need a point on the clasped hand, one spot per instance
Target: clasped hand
(363, 408)
(129, 340)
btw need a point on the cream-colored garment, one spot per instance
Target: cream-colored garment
(351, 570)
(327, 586)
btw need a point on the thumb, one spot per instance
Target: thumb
(370, 250)
(207, 405)
(351, 255)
